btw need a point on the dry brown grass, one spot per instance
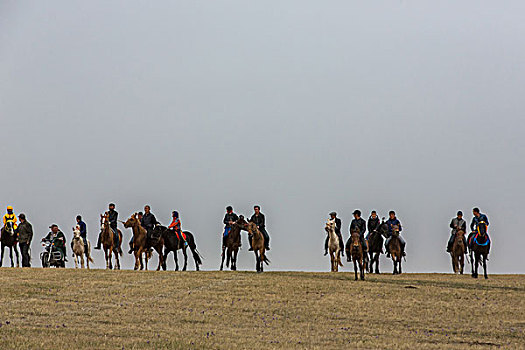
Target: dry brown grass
(127, 309)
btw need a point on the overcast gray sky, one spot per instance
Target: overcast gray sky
(303, 107)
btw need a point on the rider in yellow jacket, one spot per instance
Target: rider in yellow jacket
(10, 216)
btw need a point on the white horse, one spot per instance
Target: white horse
(78, 249)
(333, 246)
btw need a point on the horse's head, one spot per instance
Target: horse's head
(251, 227)
(482, 228)
(9, 228)
(132, 221)
(460, 234)
(355, 237)
(395, 230)
(330, 226)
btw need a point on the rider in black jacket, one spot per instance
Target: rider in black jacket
(358, 223)
(259, 220)
(373, 223)
(229, 218)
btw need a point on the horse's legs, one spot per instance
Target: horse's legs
(234, 260)
(476, 263)
(400, 269)
(117, 260)
(136, 253)
(2, 254)
(395, 264)
(378, 255)
(11, 256)
(222, 258)
(17, 257)
(362, 272)
(176, 258)
(257, 268)
(228, 257)
(82, 260)
(461, 263)
(185, 259)
(485, 266)
(355, 268)
(164, 259)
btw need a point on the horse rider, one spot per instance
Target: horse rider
(338, 224)
(148, 221)
(113, 219)
(58, 238)
(10, 217)
(25, 236)
(259, 220)
(83, 233)
(476, 220)
(176, 227)
(457, 224)
(140, 215)
(359, 224)
(391, 222)
(229, 218)
(373, 224)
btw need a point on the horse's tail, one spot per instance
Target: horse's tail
(193, 247)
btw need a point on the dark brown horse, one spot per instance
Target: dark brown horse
(108, 242)
(258, 246)
(375, 246)
(479, 245)
(354, 249)
(172, 243)
(9, 238)
(458, 252)
(394, 247)
(233, 243)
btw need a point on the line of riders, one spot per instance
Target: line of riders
(374, 224)
(23, 233)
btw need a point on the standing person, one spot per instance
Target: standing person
(391, 222)
(148, 221)
(373, 224)
(359, 224)
(113, 218)
(25, 236)
(176, 226)
(457, 224)
(338, 223)
(259, 220)
(57, 237)
(10, 217)
(83, 233)
(229, 218)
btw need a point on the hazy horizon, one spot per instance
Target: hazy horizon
(300, 107)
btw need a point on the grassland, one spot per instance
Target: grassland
(52, 309)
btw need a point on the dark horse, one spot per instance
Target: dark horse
(394, 247)
(479, 244)
(375, 246)
(354, 249)
(172, 243)
(9, 238)
(233, 243)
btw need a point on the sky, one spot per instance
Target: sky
(302, 107)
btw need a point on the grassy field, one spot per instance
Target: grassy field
(50, 309)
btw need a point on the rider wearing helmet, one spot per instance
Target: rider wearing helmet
(176, 227)
(229, 218)
(391, 222)
(10, 217)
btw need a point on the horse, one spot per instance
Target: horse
(233, 243)
(394, 247)
(258, 246)
(140, 243)
(333, 246)
(156, 242)
(9, 238)
(79, 249)
(354, 249)
(375, 246)
(457, 252)
(479, 244)
(108, 242)
(172, 243)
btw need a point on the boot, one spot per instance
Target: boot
(250, 241)
(325, 252)
(130, 248)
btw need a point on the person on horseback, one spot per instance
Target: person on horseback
(10, 217)
(259, 220)
(113, 219)
(83, 233)
(176, 227)
(58, 238)
(148, 221)
(457, 224)
(359, 224)
(373, 223)
(391, 222)
(476, 220)
(229, 218)
(338, 224)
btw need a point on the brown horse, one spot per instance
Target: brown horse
(354, 249)
(333, 246)
(458, 252)
(140, 243)
(108, 242)
(233, 243)
(479, 244)
(257, 245)
(394, 247)
(9, 238)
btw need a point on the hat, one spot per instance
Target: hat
(357, 212)
(111, 205)
(22, 216)
(54, 225)
(460, 213)
(9, 207)
(333, 213)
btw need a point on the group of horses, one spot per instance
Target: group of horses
(478, 250)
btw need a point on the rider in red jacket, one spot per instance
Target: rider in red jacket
(176, 226)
